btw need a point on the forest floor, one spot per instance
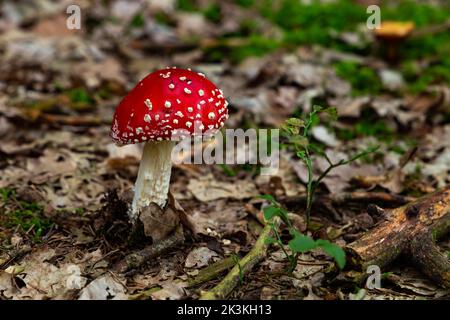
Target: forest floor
(62, 178)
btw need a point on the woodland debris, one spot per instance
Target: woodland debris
(412, 230)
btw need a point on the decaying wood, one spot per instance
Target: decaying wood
(412, 230)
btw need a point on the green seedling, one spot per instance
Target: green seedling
(298, 134)
(299, 243)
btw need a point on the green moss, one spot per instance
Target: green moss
(137, 21)
(186, 5)
(80, 96)
(6, 193)
(162, 18)
(22, 216)
(420, 79)
(367, 126)
(245, 3)
(254, 46)
(213, 13)
(364, 80)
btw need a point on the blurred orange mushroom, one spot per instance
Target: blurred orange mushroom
(392, 33)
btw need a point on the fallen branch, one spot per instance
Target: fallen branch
(353, 197)
(244, 266)
(203, 276)
(212, 271)
(137, 259)
(411, 229)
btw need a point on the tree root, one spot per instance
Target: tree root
(412, 230)
(137, 259)
(245, 265)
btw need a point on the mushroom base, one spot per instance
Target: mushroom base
(152, 184)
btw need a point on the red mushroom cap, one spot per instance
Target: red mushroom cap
(167, 104)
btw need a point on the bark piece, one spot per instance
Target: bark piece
(412, 230)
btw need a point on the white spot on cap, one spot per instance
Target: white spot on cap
(159, 139)
(147, 118)
(167, 104)
(211, 115)
(179, 113)
(175, 121)
(190, 109)
(201, 92)
(201, 74)
(226, 103)
(182, 78)
(187, 91)
(210, 99)
(211, 126)
(188, 124)
(156, 117)
(138, 130)
(178, 101)
(148, 103)
(171, 86)
(202, 102)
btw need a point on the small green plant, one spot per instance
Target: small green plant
(23, 216)
(298, 134)
(299, 243)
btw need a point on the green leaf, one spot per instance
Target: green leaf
(317, 108)
(301, 154)
(270, 212)
(299, 141)
(295, 122)
(301, 243)
(333, 250)
(267, 197)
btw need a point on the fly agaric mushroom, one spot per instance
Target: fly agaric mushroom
(167, 104)
(392, 33)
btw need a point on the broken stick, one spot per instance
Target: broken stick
(412, 230)
(255, 256)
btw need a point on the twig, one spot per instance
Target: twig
(233, 278)
(137, 259)
(212, 271)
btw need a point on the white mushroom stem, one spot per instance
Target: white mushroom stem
(152, 183)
